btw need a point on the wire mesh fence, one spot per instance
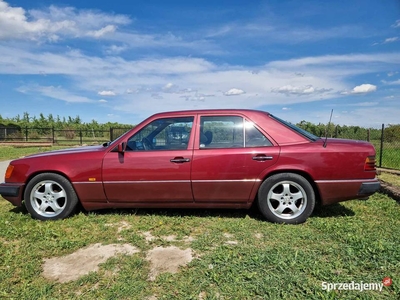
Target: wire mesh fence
(387, 145)
(386, 140)
(67, 136)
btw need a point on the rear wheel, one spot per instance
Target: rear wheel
(50, 196)
(286, 198)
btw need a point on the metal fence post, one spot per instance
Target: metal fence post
(111, 134)
(381, 150)
(26, 133)
(80, 136)
(52, 135)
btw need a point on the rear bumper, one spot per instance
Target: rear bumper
(368, 188)
(12, 192)
(333, 191)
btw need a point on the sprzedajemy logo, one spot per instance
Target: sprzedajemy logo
(357, 286)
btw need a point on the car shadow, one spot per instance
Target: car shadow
(20, 210)
(331, 211)
(182, 212)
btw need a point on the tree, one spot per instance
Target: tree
(391, 133)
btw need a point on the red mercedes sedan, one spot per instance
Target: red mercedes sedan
(198, 159)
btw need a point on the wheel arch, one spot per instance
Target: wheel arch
(303, 173)
(34, 174)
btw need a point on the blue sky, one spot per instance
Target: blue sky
(121, 61)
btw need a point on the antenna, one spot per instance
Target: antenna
(326, 134)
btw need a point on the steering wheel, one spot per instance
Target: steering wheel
(147, 145)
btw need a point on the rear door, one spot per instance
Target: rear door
(230, 153)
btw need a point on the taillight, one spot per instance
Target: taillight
(9, 171)
(370, 163)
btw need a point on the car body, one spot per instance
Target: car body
(198, 159)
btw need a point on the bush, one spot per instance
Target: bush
(69, 133)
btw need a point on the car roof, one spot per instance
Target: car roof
(211, 111)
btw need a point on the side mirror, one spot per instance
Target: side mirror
(122, 147)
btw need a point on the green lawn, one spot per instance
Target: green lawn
(237, 254)
(390, 155)
(353, 241)
(393, 179)
(10, 152)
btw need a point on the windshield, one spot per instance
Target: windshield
(297, 129)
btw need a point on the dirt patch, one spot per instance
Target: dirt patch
(123, 225)
(258, 235)
(230, 236)
(83, 261)
(169, 238)
(167, 260)
(148, 236)
(390, 190)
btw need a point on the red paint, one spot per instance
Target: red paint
(222, 177)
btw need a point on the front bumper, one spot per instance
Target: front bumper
(9, 190)
(12, 192)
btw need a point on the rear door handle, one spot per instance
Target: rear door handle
(262, 157)
(180, 160)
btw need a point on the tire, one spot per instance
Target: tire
(286, 198)
(50, 196)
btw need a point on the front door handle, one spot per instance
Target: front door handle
(180, 160)
(262, 157)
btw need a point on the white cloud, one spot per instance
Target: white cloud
(53, 22)
(234, 92)
(190, 82)
(395, 82)
(338, 62)
(14, 23)
(103, 101)
(390, 40)
(131, 91)
(170, 88)
(55, 92)
(396, 24)
(299, 90)
(106, 93)
(114, 49)
(103, 31)
(362, 89)
(390, 74)
(365, 104)
(272, 31)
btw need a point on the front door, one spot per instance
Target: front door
(155, 168)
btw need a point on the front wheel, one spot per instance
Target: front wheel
(286, 198)
(50, 196)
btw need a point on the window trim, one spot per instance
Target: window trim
(244, 121)
(159, 129)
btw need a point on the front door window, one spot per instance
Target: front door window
(162, 134)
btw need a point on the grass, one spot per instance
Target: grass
(351, 241)
(394, 179)
(13, 152)
(390, 155)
